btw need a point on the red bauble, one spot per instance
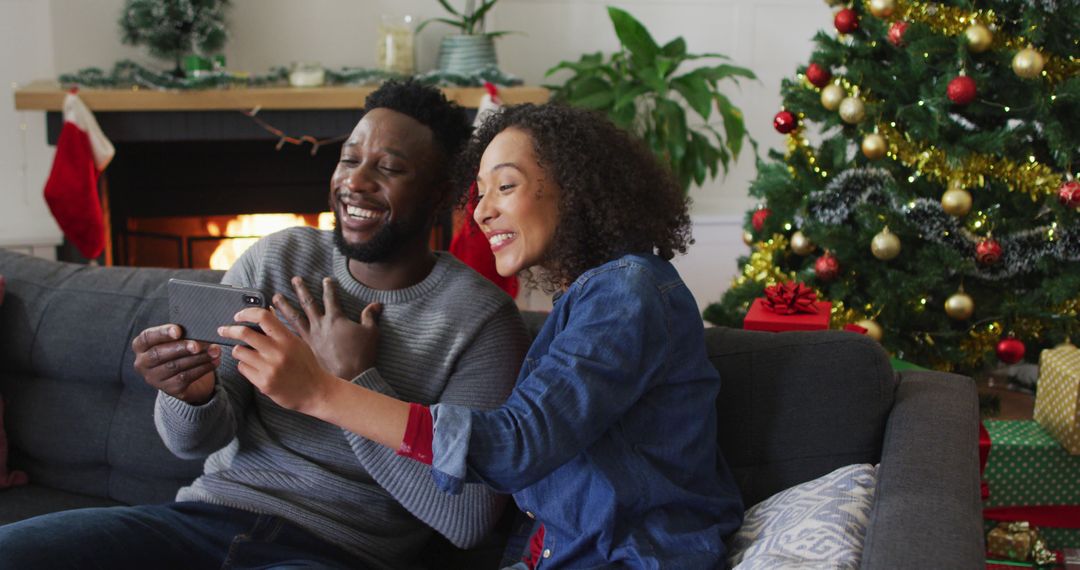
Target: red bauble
(846, 21)
(827, 267)
(896, 33)
(1069, 194)
(759, 217)
(988, 252)
(784, 122)
(817, 75)
(961, 90)
(1010, 351)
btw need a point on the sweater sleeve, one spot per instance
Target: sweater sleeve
(193, 432)
(482, 378)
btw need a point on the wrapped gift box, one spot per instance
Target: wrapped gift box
(1027, 467)
(1057, 402)
(759, 318)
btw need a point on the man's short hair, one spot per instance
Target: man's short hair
(447, 120)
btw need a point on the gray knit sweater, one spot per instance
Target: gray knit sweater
(452, 338)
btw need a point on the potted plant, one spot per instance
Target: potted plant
(173, 29)
(639, 88)
(472, 49)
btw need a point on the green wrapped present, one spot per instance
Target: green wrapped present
(1027, 467)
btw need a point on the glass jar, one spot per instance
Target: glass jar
(395, 49)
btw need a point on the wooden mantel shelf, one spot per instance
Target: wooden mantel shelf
(49, 96)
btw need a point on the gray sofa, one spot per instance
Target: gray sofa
(793, 406)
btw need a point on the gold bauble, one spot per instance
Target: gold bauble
(852, 110)
(882, 8)
(959, 306)
(885, 245)
(979, 38)
(831, 96)
(874, 146)
(873, 330)
(1028, 63)
(748, 238)
(956, 202)
(801, 245)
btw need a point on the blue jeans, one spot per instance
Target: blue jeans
(173, 535)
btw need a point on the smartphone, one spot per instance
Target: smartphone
(200, 308)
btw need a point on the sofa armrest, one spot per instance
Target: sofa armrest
(927, 510)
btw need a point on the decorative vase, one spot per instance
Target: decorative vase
(466, 54)
(395, 49)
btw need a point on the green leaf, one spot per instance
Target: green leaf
(587, 62)
(592, 93)
(478, 14)
(449, 8)
(723, 71)
(676, 48)
(651, 77)
(625, 97)
(695, 89)
(633, 36)
(734, 125)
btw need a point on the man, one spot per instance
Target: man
(280, 487)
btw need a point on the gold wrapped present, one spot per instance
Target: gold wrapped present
(1057, 402)
(1018, 541)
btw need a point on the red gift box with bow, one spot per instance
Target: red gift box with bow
(788, 307)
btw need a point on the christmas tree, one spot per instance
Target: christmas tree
(172, 29)
(929, 184)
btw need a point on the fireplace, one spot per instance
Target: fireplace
(191, 161)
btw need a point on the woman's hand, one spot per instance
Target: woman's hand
(183, 369)
(279, 363)
(342, 346)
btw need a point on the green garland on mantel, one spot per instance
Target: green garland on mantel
(127, 74)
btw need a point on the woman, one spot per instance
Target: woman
(609, 436)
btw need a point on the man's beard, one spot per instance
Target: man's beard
(386, 242)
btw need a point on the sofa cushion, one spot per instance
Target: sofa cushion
(796, 405)
(80, 417)
(817, 524)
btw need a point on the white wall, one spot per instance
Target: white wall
(43, 37)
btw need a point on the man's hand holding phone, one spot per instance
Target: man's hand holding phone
(183, 369)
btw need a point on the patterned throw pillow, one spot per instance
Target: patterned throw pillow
(817, 524)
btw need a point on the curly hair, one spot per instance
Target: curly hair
(448, 121)
(615, 197)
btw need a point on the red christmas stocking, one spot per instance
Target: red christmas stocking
(82, 152)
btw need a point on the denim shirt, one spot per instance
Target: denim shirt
(609, 437)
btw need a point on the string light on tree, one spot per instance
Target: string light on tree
(956, 201)
(896, 32)
(961, 90)
(979, 38)
(959, 306)
(784, 122)
(852, 110)
(882, 8)
(874, 146)
(1028, 63)
(818, 76)
(801, 245)
(885, 245)
(831, 96)
(846, 21)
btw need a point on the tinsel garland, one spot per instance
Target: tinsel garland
(127, 74)
(1032, 177)
(954, 21)
(1021, 251)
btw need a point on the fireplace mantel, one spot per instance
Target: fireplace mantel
(49, 96)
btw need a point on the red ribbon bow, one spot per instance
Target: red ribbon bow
(789, 298)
